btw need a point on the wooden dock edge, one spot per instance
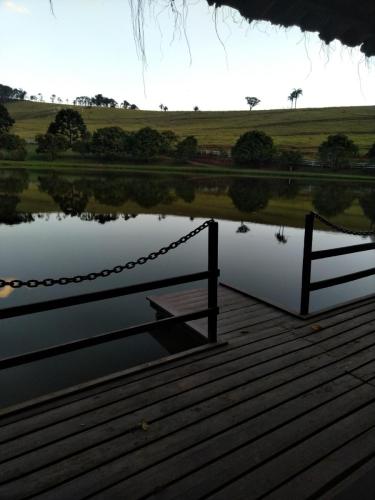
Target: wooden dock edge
(335, 308)
(35, 402)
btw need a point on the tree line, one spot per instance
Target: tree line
(69, 131)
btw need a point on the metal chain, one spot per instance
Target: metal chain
(342, 229)
(106, 272)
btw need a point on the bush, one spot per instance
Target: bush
(51, 144)
(148, 143)
(187, 149)
(12, 147)
(111, 143)
(337, 151)
(168, 141)
(253, 148)
(84, 146)
(6, 121)
(371, 152)
(290, 158)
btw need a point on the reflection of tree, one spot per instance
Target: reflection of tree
(367, 202)
(113, 192)
(72, 197)
(185, 189)
(8, 210)
(249, 195)
(149, 193)
(10, 186)
(243, 228)
(288, 189)
(280, 236)
(14, 183)
(330, 200)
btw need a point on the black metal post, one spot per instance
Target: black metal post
(213, 234)
(306, 269)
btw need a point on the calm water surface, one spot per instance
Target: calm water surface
(62, 225)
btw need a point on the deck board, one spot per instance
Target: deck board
(284, 409)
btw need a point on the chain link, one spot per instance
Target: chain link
(105, 272)
(342, 229)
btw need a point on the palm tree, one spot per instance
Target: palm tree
(291, 99)
(161, 106)
(295, 95)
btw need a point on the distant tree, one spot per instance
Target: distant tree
(53, 98)
(19, 94)
(187, 149)
(253, 147)
(83, 146)
(125, 104)
(371, 152)
(6, 93)
(33, 98)
(168, 141)
(291, 99)
(252, 102)
(133, 106)
(59, 100)
(69, 123)
(196, 108)
(6, 121)
(148, 144)
(40, 97)
(111, 143)
(337, 151)
(165, 108)
(51, 144)
(295, 95)
(290, 158)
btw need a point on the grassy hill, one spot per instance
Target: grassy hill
(304, 129)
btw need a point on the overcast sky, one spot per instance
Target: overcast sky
(88, 48)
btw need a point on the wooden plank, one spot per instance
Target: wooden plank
(366, 372)
(112, 462)
(251, 445)
(304, 455)
(335, 467)
(206, 385)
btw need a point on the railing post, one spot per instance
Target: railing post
(306, 268)
(213, 233)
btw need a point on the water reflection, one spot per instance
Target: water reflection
(250, 195)
(107, 197)
(11, 186)
(367, 202)
(332, 199)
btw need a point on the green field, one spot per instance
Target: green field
(304, 129)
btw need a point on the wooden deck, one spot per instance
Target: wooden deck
(283, 408)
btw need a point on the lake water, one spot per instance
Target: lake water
(62, 225)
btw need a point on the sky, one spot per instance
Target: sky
(205, 58)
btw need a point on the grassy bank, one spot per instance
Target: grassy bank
(304, 129)
(72, 166)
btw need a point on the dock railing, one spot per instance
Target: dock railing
(309, 255)
(211, 312)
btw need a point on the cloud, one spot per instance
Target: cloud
(15, 7)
